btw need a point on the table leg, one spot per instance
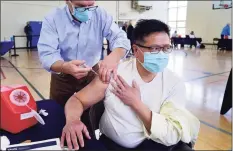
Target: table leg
(14, 55)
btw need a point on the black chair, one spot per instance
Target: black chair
(97, 110)
(215, 43)
(227, 100)
(95, 113)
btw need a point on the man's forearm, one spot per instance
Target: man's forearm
(118, 53)
(144, 113)
(73, 109)
(57, 66)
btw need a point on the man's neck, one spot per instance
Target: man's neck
(144, 74)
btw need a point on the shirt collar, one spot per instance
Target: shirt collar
(69, 14)
(71, 17)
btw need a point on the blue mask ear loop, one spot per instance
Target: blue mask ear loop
(162, 95)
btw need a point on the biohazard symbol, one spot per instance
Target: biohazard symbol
(19, 97)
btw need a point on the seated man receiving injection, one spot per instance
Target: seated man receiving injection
(144, 106)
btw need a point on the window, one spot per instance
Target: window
(182, 3)
(172, 14)
(177, 11)
(181, 14)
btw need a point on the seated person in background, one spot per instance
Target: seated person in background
(192, 35)
(174, 34)
(124, 27)
(144, 105)
(130, 29)
(193, 42)
(225, 32)
(173, 41)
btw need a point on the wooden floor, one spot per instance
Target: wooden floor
(205, 73)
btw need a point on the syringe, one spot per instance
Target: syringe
(85, 66)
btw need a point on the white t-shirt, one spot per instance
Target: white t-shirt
(174, 35)
(119, 122)
(191, 36)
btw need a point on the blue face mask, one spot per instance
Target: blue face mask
(82, 16)
(155, 62)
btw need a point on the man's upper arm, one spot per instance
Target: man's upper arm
(175, 122)
(92, 93)
(116, 36)
(48, 44)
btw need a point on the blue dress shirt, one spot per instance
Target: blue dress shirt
(63, 38)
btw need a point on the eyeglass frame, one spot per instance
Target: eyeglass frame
(155, 52)
(87, 8)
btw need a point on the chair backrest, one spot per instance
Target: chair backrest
(95, 113)
(215, 40)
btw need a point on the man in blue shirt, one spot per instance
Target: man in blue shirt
(225, 31)
(28, 32)
(71, 38)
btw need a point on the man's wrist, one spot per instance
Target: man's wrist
(122, 53)
(62, 67)
(119, 53)
(72, 119)
(56, 67)
(137, 104)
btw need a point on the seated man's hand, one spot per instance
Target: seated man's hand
(72, 133)
(127, 94)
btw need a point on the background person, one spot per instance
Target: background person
(225, 32)
(130, 29)
(28, 32)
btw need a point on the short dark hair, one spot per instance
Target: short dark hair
(145, 27)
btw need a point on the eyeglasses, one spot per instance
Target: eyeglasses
(156, 50)
(83, 9)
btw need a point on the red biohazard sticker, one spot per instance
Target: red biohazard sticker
(19, 97)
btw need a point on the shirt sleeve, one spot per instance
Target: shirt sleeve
(48, 44)
(116, 36)
(174, 123)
